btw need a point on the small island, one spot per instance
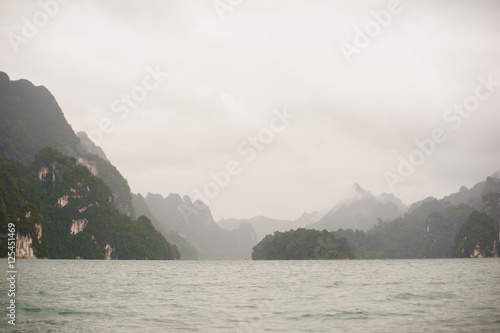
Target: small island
(302, 244)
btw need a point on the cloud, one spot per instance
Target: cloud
(353, 120)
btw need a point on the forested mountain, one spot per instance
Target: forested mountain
(67, 200)
(302, 244)
(432, 228)
(194, 221)
(62, 211)
(429, 230)
(188, 252)
(362, 211)
(89, 146)
(31, 119)
(470, 197)
(63, 207)
(477, 237)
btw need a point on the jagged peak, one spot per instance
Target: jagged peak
(187, 200)
(389, 197)
(89, 146)
(174, 197)
(200, 204)
(305, 215)
(154, 196)
(357, 188)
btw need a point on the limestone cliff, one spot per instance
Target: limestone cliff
(30, 243)
(61, 210)
(32, 120)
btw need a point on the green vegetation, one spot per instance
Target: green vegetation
(30, 119)
(196, 225)
(443, 227)
(302, 244)
(55, 195)
(188, 252)
(400, 238)
(140, 240)
(477, 237)
(427, 232)
(431, 229)
(68, 211)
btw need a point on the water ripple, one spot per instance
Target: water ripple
(278, 296)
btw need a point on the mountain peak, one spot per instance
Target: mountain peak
(385, 197)
(357, 188)
(4, 78)
(89, 146)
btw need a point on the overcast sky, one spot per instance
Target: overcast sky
(358, 102)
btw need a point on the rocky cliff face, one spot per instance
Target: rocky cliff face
(78, 226)
(90, 165)
(78, 212)
(32, 120)
(25, 247)
(108, 250)
(60, 210)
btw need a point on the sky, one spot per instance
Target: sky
(272, 108)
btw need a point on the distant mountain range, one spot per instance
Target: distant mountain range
(68, 201)
(265, 225)
(383, 227)
(361, 211)
(462, 224)
(31, 120)
(194, 222)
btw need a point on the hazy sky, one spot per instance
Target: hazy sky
(360, 92)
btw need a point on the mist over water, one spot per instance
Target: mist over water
(258, 296)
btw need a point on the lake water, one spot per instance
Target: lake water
(256, 296)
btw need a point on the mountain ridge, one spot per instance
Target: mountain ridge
(66, 212)
(195, 222)
(31, 119)
(362, 210)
